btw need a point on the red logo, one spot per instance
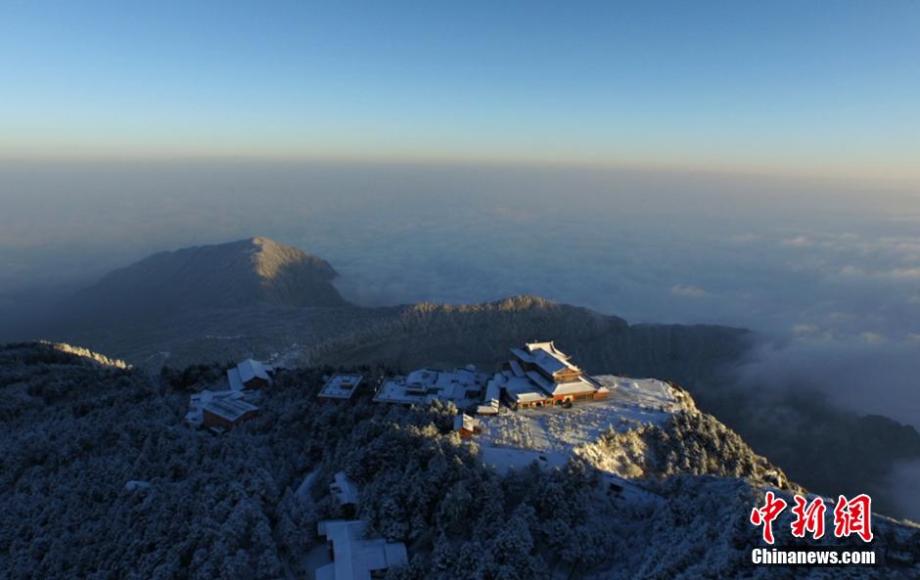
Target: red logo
(850, 516)
(809, 517)
(854, 517)
(764, 516)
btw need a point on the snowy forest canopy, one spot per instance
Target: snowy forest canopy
(75, 430)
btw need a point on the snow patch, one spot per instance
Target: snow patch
(514, 439)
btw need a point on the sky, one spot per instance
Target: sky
(820, 88)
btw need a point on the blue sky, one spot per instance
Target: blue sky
(824, 87)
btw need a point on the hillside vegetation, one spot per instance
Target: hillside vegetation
(75, 432)
(450, 335)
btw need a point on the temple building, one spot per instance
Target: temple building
(539, 374)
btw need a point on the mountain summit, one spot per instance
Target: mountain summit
(237, 274)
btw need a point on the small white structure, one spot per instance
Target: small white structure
(465, 425)
(341, 386)
(137, 485)
(491, 402)
(462, 386)
(249, 374)
(216, 402)
(227, 413)
(353, 556)
(344, 489)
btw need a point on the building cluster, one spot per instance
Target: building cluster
(537, 375)
(226, 408)
(353, 555)
(462, 386)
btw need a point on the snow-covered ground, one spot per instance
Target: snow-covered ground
(548, 435)
(504, 458)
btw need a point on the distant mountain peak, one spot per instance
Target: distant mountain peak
(249, 272)
(271, 259)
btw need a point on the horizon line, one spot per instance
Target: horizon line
(825, 174)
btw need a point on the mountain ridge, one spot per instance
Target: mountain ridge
(430, 334)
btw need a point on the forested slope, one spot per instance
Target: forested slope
(77, 428)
